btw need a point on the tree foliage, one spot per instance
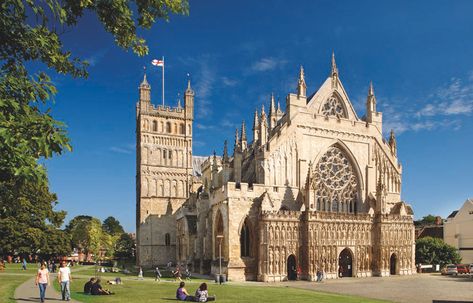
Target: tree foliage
(86, 234)
(30, 37)
(125, 247)
(426, 220)
(112, 226)
(435, 251)
(28, 222)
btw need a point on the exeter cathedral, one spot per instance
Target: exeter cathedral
(317, 188)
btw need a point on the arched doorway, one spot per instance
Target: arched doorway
(392, 264)
(345, 264)
(291, 268)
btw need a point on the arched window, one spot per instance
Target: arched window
(334, 107)
(168, 127)
(335, 182)
(219, 234)
(245, 241)
(183, 129)
(167, 239)
(155, 126)
(164, 155)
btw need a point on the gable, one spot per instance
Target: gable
(465, 213)
(332, 100)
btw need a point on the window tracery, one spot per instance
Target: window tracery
(335, 182)
(334, 107)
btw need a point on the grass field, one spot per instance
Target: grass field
(147, 290)
(12, 277)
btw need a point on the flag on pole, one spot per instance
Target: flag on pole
(157, 62)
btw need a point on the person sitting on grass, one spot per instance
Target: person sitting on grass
(88, 286)
(97, 289)
(182, 294)
(202, 295)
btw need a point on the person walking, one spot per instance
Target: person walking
(157, 274)
(140, 274)
(64, 278)
(23, 264)
(42, 280)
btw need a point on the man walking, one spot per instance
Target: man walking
(157, 274)
(64, 277)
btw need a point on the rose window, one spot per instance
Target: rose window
(333, 107)
(335, 183)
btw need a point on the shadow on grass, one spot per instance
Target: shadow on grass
(33, 299)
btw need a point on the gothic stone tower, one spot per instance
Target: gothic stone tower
(163, 172)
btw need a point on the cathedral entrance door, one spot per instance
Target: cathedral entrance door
(291, 268)
(345, 263)
(392, 264)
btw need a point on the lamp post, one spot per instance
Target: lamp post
(220, 238)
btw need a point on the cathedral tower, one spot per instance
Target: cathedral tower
(163, 171)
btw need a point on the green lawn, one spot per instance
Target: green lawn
(12, 277)
(148, 290)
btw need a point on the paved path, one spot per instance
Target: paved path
(28, 292)
(407, 289)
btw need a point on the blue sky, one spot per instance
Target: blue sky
(417, 53)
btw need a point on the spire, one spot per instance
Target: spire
(237, 138)
(392, 143)
(144, 82)
(145, 90)
(334, 65)
(189, 88)
(371, 89)
(301, 86)
(225, 151)
(370, 104)
(272, 109)
(243, 131)
(256, 120)
(214, 162)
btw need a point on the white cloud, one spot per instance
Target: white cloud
(229, 82)
(204, 127)
(95, 58)
(267, 64)
(442, 109)
(128, 149)
(455, 98)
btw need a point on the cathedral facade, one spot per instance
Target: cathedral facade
(316, 189)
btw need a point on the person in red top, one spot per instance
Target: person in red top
(42, 280)
(299, 272)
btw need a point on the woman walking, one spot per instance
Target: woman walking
(42, 280)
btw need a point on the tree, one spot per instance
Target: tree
(112, 226)
(30, 34)
(435, 251)
(426, 220)
(86, 234)
(125, 247)
(28, 222)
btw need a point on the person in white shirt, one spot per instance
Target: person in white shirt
(64, 277)
(42, 280)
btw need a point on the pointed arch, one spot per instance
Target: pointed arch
(334, 106)
(337, 179)
(246, 239)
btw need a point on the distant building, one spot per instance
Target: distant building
(458, 231)
(317, 188)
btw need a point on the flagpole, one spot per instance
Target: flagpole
(163, 81)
